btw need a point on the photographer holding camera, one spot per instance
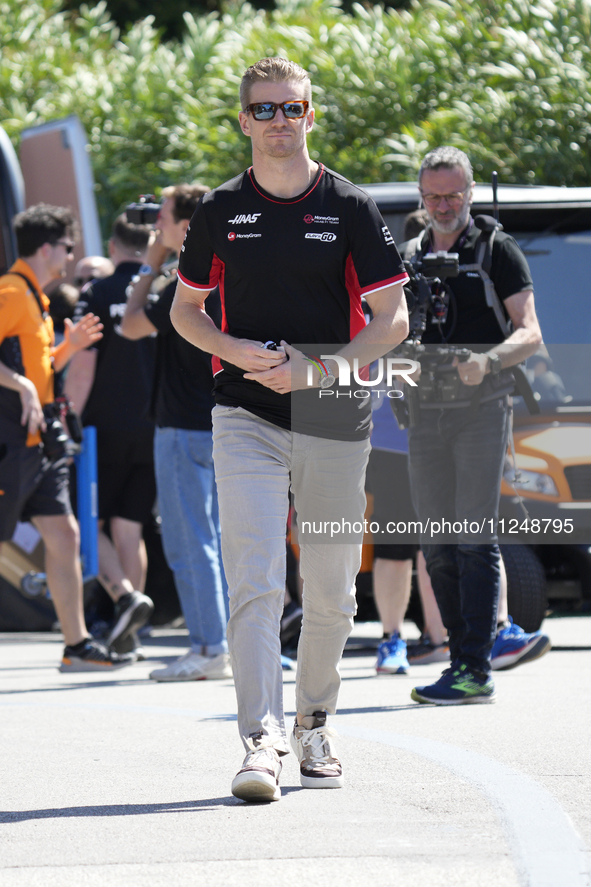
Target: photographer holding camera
(32, 485)
(458, 440)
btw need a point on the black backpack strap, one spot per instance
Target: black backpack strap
(482, 266)
(485, 248)
(34, 290)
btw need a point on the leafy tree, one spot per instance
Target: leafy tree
(505, 80)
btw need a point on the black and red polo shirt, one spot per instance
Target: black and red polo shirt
(293, 269)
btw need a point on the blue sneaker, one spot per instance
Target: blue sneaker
(392, 656)
(513, 646)
(457, 686)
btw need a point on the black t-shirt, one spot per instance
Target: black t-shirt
(120, 396)
(293, 269)
(469, 320)
(183, 395)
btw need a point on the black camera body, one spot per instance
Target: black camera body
(440, 264)
(54, 438)
(428, 297)
(426, 292)
(144, 212)
(440, 381)
(56, 442)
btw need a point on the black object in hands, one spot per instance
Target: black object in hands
(54, 438)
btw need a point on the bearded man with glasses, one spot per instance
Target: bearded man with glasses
(457, 449)
(293, 247)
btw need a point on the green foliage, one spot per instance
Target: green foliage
(508, 81)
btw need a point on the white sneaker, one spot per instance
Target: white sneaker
(258, 778)
(311, 742)
(195, 667)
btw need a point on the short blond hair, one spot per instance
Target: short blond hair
(276, 70)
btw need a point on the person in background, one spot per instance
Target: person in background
(187, 493)
(33, 485)
(457, 452)
(393, 566)
(91, 268)
(110, 386)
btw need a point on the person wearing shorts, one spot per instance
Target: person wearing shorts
(110, 385)
(33, 486)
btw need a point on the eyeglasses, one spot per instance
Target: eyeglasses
(267, 110)
(454, 199)
(69, 247)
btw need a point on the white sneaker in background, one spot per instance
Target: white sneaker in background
(195, 667)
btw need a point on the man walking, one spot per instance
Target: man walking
(110, 386)
(32, 486)
(293, 247)
(457, 450)
(187, 494)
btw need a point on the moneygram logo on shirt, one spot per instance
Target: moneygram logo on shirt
(233, 236)
(321, 220)
(242, 219)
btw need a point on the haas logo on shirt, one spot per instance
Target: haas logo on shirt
(244, 219)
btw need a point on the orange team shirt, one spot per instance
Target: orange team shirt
(32, 336)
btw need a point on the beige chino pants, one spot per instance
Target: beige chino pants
(256, 464)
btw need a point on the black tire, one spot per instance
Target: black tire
(526, 586)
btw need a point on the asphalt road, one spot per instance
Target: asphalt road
(109, 781)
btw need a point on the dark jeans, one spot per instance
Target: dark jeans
(456, 461)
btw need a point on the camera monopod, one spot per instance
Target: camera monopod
(495, 185)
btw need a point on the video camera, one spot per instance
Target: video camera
(144, 212)
(428, 297)
(426, 292)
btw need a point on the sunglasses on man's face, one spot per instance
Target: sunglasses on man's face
(267, 110)
(69, 247)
